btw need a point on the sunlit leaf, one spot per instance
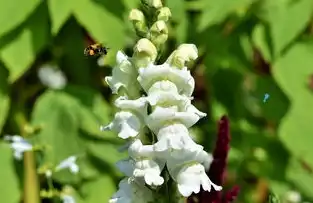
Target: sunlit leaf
(288, 22)
(13, 13)
(19, 53)
(9, 184)
(292, 73)
(215, 12)
(60, 11)
(66, 118)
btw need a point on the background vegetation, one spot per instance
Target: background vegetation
(247, 48)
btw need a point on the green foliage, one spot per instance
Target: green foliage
(4, 97)
(246, 48)
(10, 190)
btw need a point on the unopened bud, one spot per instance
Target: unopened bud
(184, 53)
(139, 22)
(164, 14)
(144, 53)
(159, 33)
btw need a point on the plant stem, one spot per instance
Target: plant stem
(31, 183)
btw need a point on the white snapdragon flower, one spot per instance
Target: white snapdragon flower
(69, 163)
(191, 177)
(187, 167)
(142, 169)
(132, 192)
(52, 77)
(180, 77)
(123, 75)
(19, 145)
(128, 122)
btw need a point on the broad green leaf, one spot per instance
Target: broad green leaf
(20, 52)
(99, 190)
(67, 117)
(288, 23)
(60, 11)
(292, 73)
(94, 112)
(4, 97)
(59, 115)
(302, 178)
(215, 12)
(9, 185)
(102, 25)
(13, 13)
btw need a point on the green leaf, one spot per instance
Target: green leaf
(13, 13)
(60, 11)
(302, 178)
(67, 117)
(100, 23)
(99, 190)
(10, 192)
(288, 23)
(215, 12)
(20, 52)
(59, 114)
(4, 97)
(292, 73)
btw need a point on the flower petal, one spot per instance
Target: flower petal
(126, 124)
(153, 73)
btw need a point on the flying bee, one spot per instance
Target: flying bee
(96, 50)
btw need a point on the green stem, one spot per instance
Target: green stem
(31, 183)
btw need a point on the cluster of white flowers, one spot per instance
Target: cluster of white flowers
(168, 92)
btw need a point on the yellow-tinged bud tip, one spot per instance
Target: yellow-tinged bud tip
(136, 15)
(164, 14)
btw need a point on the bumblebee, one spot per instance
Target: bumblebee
(96, 50)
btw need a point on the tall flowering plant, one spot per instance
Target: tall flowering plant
(172, 159)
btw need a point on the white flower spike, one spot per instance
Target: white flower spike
(167, 111)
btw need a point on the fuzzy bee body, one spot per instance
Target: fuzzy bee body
(96, 50)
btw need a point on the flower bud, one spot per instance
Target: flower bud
(144, 53)
(139, 22)
(164, 14)
(159, 33)
(184, 53)
(153, 3)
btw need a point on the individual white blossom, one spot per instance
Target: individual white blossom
(132, 192)
(19, 145)
(182, 78)
(52, 77)
(191, 177)
(123, 75)
(69, 163)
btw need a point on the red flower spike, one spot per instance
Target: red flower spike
(218, 168)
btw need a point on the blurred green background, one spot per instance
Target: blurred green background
(247, 48)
